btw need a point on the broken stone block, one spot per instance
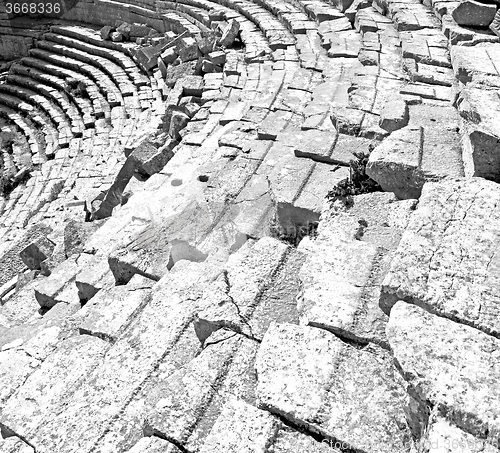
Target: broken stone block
(192, 85)
(206, 43)
(394, 115)
(116, 36)
(315, 380)
(169, 55)
(452, 366)
(187, 49)
(471, 13)
(60, 286)
(36, 252)
(479, 109)
(216, 15)
(76, 234)
(429, 148)
(178, 122)
(111, 311)
(447, 258)
(174, 73)
(147, 56)
(50, 386)
(124, 29)
(495, 24)
(208, 67)
(230, 33)
(218, 57)
(139, 31)
(105, 32)
(95, 276)
(151, 159)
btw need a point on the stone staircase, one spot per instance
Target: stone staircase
(194, 291)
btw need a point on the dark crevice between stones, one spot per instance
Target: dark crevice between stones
(316, 435)
(177, 444)
(6, 432)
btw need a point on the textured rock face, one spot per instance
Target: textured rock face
(474, 14)
(454, 367)
(312, 378)
(446, 260)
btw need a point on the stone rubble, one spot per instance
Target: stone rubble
(192, 257)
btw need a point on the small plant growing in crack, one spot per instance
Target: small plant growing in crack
(357, 183)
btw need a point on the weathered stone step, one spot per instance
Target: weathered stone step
(95, 56)
(452, 367)
(346, 264)
(70, 110)
(35, 140)
(56, 115)
(429, 148)
(42, 124)
(43, 61)
(83, 106)
(447, 258)
(314, 379)
(118, 55)
(45, 51)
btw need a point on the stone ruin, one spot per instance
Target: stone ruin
(250, 226)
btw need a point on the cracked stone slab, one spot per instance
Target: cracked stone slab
(259, 285)
(243, 428)
(108, 313)
(452, 366)
(429, 148)
(194, 395)
(151, 339)
(314, 379)
(47, 390)
(447, 259)
(346, 263)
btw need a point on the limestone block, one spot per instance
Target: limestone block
(453, 366)
(446, 260)
(230, 33)
(495, 24)
(481, 132)
(187, 49)
(111, 310)
(312, 378)
(471, 13)
(37, 251)
(153, 445)
(394, 115)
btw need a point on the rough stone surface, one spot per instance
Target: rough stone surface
(474, 14)
(452, 366)
(447, 255)
(312, 378)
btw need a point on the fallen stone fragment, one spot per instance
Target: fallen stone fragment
(394, 115)
(116, 36)
(36, 252)
(147, 57)
(187, 49)
(124, 28)
(447, 260)
(471, 13)
(315, 380)
(150, 158)
(230, 33)
(75, 235)
(495, 24)
(105, 32)
(453, 367)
